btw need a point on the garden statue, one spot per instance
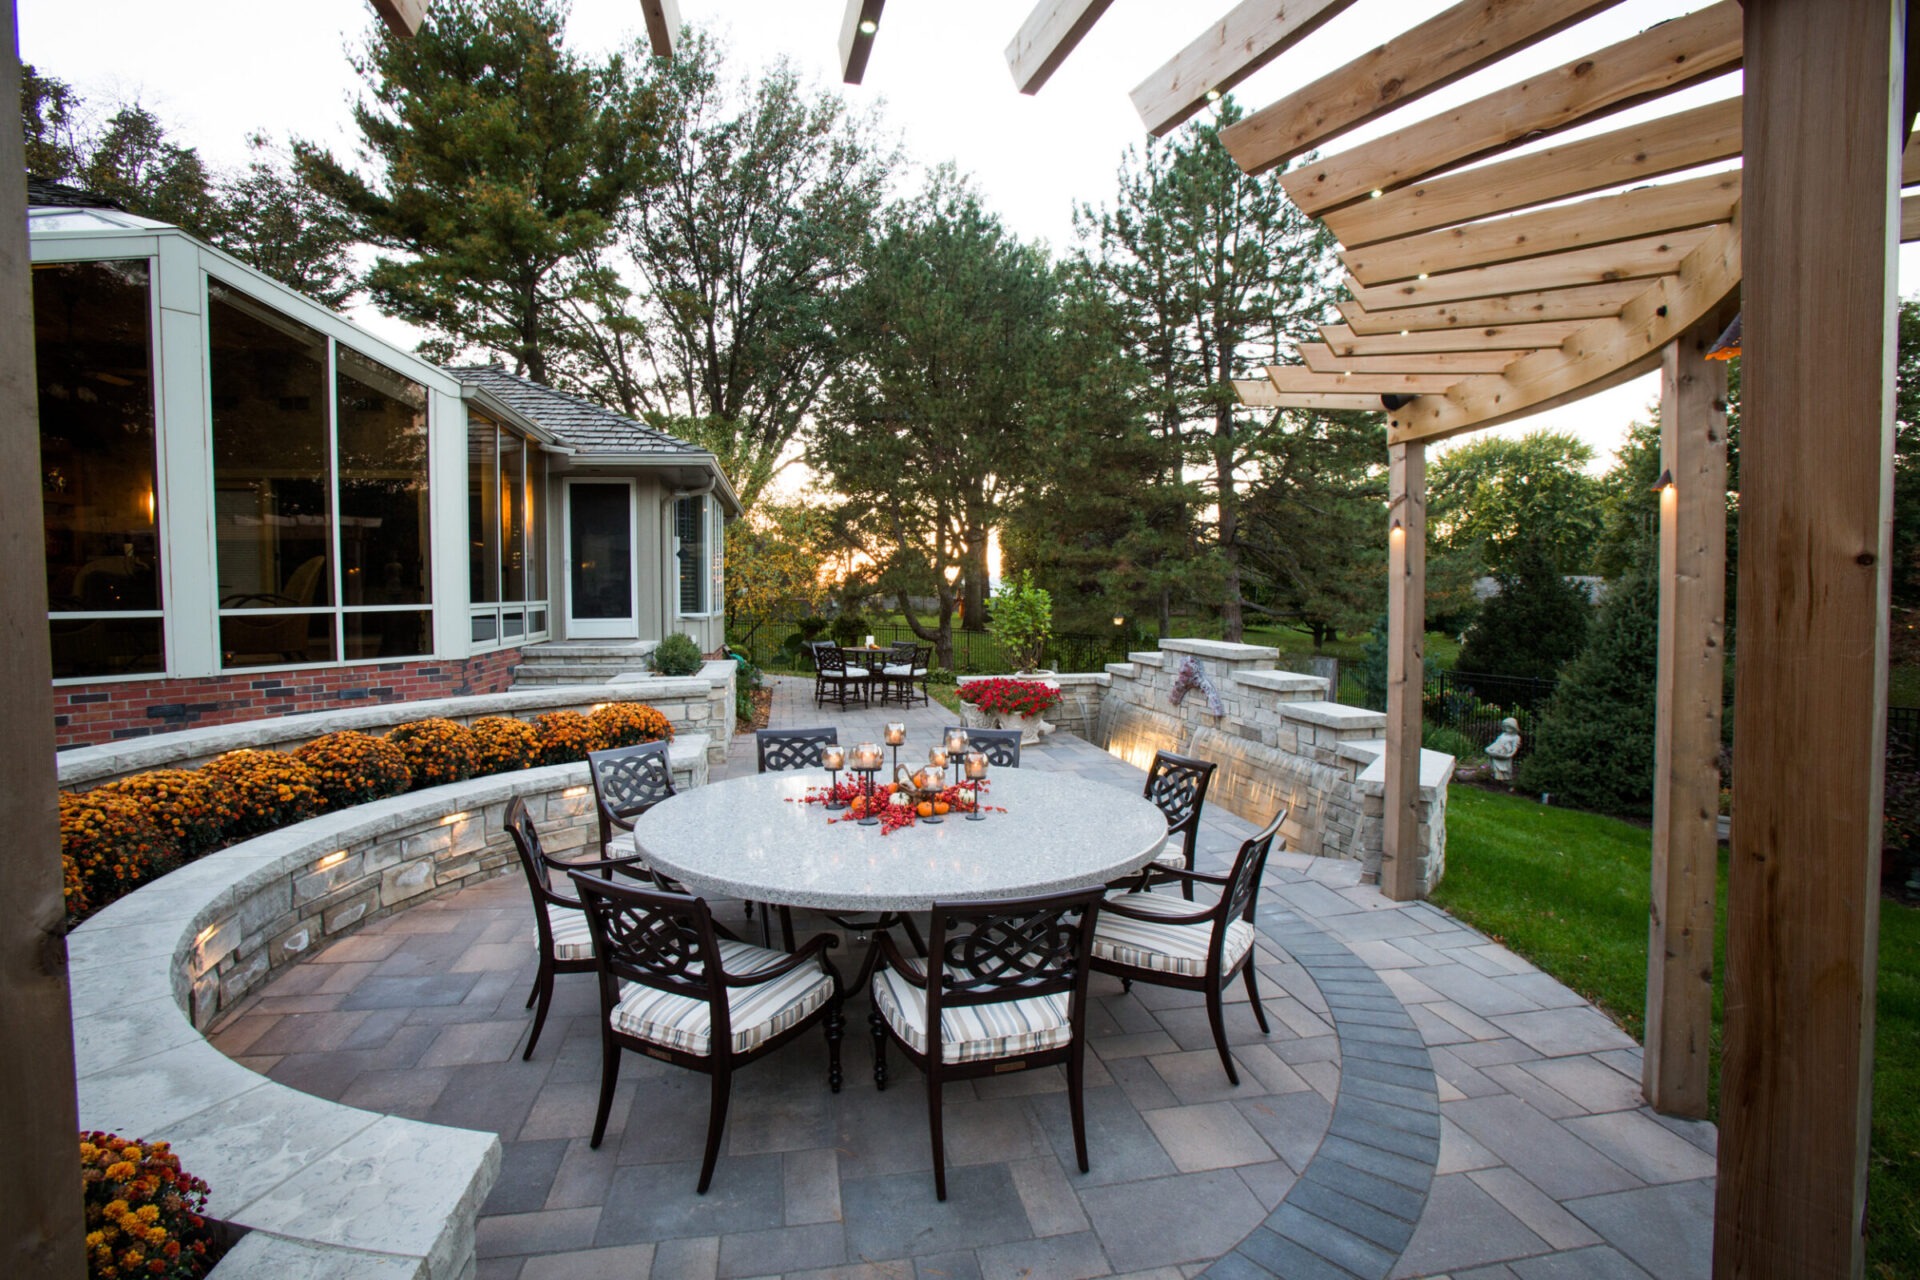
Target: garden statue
(1501, 750)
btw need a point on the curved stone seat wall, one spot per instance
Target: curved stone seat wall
(324, 1189)
(701, 704)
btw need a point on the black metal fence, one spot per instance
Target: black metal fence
(974, 652)
(1474, 704)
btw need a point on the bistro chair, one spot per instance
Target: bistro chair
(673, 988)
(565, 943)
(1158, 938)
(628, 781)
(1001, 747)
(835, 675)
(907, 663)
(1177, 785)
(1011, 995)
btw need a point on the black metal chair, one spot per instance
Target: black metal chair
(833, 672)
(566, 945)
(1001, 747)
(777, 750)
(1011, 995)
(628, 781)
(1177, 785)
(1158, 938)
(673, 988)
(906, 665)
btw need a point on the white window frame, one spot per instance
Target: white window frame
(710, 599)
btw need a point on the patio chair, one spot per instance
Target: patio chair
(833, 672)
(1177, 785)
(672, 988)
(1001, 747)
(906, 664)
(1157, 938)
(628, 781)
(1012, 995)
(566, 945)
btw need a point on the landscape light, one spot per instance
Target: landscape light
(1665, 483)
(868, 26)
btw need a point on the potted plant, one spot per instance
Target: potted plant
(1002, 703)
(1022, 621)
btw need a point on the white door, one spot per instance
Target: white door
(602, 587)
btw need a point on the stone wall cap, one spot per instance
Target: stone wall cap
(1332, 715)
(1281, 681)
(1222, 650)
(1126, 670)
(1436, 770)
(1362, 751)
(1147, 658)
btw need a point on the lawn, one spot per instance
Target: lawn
(1569, 891)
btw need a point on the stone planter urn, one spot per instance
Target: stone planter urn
(1030, 727)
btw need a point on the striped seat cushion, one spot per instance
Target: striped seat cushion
(622, 846)
(973, 1032)
(757, 1014)
(1164, 947)
(1174, 856)
(572, 939)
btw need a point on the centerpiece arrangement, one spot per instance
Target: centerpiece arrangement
(926, 794)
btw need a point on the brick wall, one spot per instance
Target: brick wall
(84, 714)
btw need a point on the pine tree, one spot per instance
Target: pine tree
(1594, 746)
(1534, 626)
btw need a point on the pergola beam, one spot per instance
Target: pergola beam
(1705, 135)
(663, 25)
(1510, 337)
(1583, 302)
(1321, 358)
(1643, 211)
(403, 17)
(857, 29)
(1287, 378)
(1260, 393)
(1453, 43)
(1253, 34)
(1046, 38)
(1596, 264)
(1657, 61)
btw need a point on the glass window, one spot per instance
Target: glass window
(690, 531)
(93, 352)
(513, 518)
(383, 484)
(536, 527)
(389, 633)
(483, 500)
(273, 491)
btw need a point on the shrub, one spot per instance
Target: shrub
(1534, 626)
(195, 810)
(437, 750)
(626, 724)
(1022, 619)
(274, 789)
(502, 744)
(1440, 737)
(352, 768)
(677, 655)
(565, 736)
(109, 845)
(145, 1214)
(848, 628)
(1010, 697)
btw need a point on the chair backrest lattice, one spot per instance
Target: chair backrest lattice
(534, 863)
(1177, 785)
(657, 939)
(1249, 865)
(1001, 747)
(830, 660)
(992, 952)
(779, 750)
(628, 781)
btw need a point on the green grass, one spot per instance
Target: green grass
(1569, 891)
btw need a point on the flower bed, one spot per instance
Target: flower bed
(145, 1214)
(1005, 697)
(122, 834)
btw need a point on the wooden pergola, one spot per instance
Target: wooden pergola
(1488, 282)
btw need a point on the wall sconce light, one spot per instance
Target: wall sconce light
(1665, 483)
(333, 859)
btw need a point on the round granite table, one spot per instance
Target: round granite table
(752, 838)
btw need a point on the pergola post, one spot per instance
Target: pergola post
(40, 1179)
(1686, 770)
(1823, 129)
(1406, 667)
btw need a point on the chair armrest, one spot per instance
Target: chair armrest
(595, 864)
(1113, 906)
(899, 963)
(816, 945)
(1179, 873)
(613, 819)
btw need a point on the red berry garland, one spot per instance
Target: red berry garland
(959, 799)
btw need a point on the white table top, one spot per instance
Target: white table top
(753, 838)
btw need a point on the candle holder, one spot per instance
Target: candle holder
(956, 749)
(976, 766)
(927, 783)
(937, 759)
(835, 759)
(866, 763)
(896, 734)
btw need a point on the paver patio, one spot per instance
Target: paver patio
(1428, 1104)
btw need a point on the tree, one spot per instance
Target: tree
(931, 427)
(769, 191)
(1218, 273)
(50, 120)
(500, 163)
(277, 222)
(776, 565)
(132, 161)
(1501, 494)
(1533, 627)
(1594, 745)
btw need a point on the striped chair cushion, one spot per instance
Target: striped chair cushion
(973, 1032)
(622, 846)
(572, 939)
(1174, 856)
(757, 1014)
(1164, 948)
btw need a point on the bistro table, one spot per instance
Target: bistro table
(753, 838)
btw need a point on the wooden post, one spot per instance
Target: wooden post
(1686, 769)
(1406, 666)
(40, 1179)
(1823, 133)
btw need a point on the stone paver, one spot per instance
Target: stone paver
(1427, 1104)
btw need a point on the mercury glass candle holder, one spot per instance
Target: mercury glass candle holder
(835, 759)
(896, 734)
(976, 766)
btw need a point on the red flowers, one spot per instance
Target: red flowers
(1005, 697)
(959, 799)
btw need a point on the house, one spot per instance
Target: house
(252, 506)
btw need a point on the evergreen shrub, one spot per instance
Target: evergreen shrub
(677, 655)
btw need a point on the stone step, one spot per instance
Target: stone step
(556, 673)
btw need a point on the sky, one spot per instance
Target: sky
(218, 70)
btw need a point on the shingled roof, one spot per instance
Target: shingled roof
(585, 426)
